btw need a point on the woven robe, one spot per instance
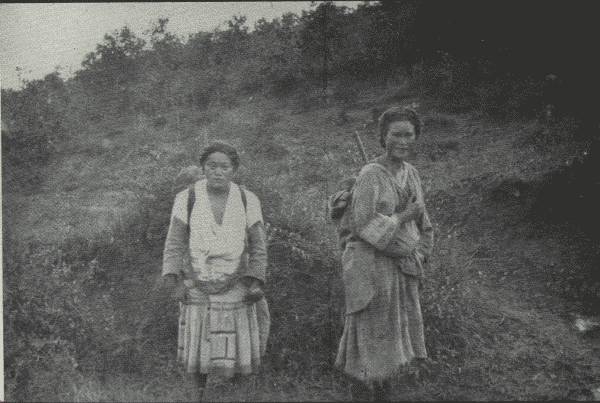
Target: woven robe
(382, 262)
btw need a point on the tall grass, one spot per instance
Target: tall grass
(91, 287)
(122, 327)
(87, 310)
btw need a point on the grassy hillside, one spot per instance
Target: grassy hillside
(83, 250)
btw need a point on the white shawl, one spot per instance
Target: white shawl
(215, 249)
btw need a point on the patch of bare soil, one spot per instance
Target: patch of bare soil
(526, 345)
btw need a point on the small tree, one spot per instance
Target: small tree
(320, 36)
(114, 63)
(34, 126)
(275, 53)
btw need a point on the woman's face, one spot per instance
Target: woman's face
(400, 140)
(218, 170)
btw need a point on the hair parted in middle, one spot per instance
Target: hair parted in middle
(221, 147)
(398, 114)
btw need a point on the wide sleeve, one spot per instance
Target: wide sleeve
(257, 241)
(257, 252)
(373, 227)
(402, 239)
(176, 244)
(403, 243)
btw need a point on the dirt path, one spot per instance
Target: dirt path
(540, 354)
(521, 342)
(528, 347)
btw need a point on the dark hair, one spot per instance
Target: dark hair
(398, 114)
(219, 147)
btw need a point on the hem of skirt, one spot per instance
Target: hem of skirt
(224, 372)
(353, 376)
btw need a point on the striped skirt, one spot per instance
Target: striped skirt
(219, 333)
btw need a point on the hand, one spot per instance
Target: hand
(172, 288)
(178, 294)
(414, 210)
(253, 294)
(419, 256)
(338, 203)
(169, 282)
(340, 199)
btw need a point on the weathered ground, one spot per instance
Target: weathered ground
(498, 305)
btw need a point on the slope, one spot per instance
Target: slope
(496, 326)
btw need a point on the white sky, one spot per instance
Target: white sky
(40, 37)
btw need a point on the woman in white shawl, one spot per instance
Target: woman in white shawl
(216, 252)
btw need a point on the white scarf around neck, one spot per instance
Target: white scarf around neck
(216, 249)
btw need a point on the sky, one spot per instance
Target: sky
(38, 38)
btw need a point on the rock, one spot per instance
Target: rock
(107, 144)
(509, 189)
(155, 154)
(583, 324)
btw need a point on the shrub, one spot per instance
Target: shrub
(33, 129)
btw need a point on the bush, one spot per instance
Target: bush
(59, 303)
(33, 129)
(48, 314)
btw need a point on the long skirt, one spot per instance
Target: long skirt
(381, 339)
(219, 334)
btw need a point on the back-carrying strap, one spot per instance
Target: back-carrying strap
(192, 200)
(190, 204)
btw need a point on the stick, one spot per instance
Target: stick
(361, 147)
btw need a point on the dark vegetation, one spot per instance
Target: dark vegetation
(79, 314)
(502, 59)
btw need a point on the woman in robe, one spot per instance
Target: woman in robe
(215, 252)
(386, 235)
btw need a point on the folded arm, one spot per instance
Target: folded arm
(386, 233)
